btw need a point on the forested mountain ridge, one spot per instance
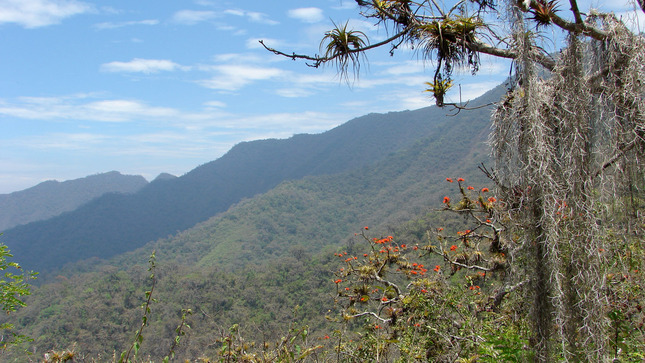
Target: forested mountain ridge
(114, 224)
(261, 258)
(51, 198)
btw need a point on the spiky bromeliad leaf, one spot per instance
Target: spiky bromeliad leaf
(342, 46)
(449, 38)
(438, 88)
(543, 11)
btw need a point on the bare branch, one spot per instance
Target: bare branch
(481, 47)
(318, 60)
(621, 152)
(471, 267)
(576, 11)
(505, 290)
(372, 314)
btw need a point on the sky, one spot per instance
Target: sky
(151, 86)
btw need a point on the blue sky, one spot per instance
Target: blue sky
(151, 86)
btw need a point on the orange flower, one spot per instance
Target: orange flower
(437, 268)
(446, 200)
(415, 248)
(404, 246)
(449, 180)
(453, 247)
(366, 227)
(470, 188)
(384, 298)
(424, 291)
(326, 337)
(460, 180)
(338, 281)
(492, 200)
(485, 190)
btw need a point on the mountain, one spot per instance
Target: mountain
(253, 263)
(116, 223)
(51, 198)
(164, 176)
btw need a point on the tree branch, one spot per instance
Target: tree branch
(621, 152)
(505, 290)
(370, 313)
(577, 27)
(321, 60)
(481, 47)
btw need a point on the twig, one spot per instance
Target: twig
(370, 313)
(505, 290)
(321, 60)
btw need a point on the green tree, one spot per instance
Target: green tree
(12, 288)
(568, 140)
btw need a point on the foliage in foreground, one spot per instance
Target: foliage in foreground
(12, 289)
(450, 296)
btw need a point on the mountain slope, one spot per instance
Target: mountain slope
(51, 198)
(255, 262)
(114, 224)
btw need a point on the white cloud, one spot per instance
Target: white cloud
(286, 124)
(253, 16)
(254, 43)
(293, 92)
(110, 25)
(74, 108)
(260, 18)
(307, 15)
(141, 65)
(232, 77)
(215, 104)
(191, 17)
(38, 13)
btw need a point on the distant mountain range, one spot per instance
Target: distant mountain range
(266, 220)
(51, 198)
(116, 223)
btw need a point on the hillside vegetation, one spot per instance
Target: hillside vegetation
(256, 262)
(115, 224)
(51, 198)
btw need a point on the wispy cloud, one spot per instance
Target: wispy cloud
(111, 25)
(254, 43)
(78, 108)
(252, 16)
(232, 77)
(139, 65)
(307, 15)
(191, 17)
(39, 13)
